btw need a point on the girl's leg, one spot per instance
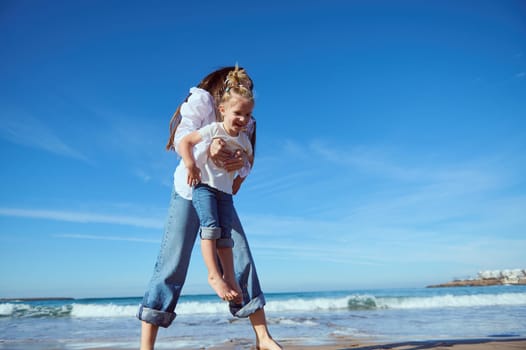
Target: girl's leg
(227, 262)
(206, 202)
(225, 210)
(158, 304)
(223, 289)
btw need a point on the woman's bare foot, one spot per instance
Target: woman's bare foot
(268, 344)
(222, 289)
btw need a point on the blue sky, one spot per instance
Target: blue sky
(391, 139)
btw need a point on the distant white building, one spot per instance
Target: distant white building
(506, 276)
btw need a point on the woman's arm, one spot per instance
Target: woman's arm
(236, 185)
(196, 112)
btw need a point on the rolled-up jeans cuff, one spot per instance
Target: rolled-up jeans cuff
(155, 317)
(210, 232)
(252, 306)
(225, 243)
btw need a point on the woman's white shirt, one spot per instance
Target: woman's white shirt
(196, 112)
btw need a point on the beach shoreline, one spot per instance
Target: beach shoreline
(441, 344)
(339, 343)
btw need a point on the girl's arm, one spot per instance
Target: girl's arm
(186, 150)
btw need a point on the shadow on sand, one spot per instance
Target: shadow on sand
(430, 344)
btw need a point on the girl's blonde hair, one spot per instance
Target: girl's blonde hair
(237, 82)
(220, 84)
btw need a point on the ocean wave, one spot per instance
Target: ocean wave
(370, 302)
(295, 322)
(292, 304)
(504, 299)
(26, 310)
(308, 304)
(7, 309)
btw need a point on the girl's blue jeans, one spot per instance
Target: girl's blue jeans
(164, 289)
(214, 209)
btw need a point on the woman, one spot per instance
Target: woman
(182, 225)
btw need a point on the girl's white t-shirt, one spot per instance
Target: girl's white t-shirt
(196, 112)
(211, 174)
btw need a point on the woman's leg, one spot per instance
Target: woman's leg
(245, 269)
(158, 304)
(253, 298)
(263, 339)
(148, 335)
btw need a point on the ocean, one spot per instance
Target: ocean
(309, 318)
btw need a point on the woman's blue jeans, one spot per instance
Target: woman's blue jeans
(164, 289)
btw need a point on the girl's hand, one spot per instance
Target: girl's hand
(194, 176)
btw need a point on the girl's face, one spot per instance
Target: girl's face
(236, 113)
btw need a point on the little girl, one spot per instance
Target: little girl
(213, 185)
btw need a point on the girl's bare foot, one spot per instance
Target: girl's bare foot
(221, 288)
(235, 287)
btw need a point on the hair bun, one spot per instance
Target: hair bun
(238, 81)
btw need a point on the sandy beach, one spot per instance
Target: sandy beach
(459, 344)
(349, 344)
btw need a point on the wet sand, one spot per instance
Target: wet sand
(349, 344)
(457, 344)
(342, 343)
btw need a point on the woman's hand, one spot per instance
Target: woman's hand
(224, 158)
(234, 164)
(218, 151)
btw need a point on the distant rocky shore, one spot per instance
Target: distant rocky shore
(489, 278)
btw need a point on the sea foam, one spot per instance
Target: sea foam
(104, 310)
(505, 299)
(7, 309)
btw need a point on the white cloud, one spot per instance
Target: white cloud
(106, 238)
(364, 159)
(22, 129)
(455, 211)
(143, 175)
(382, 242)
(83, 217)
